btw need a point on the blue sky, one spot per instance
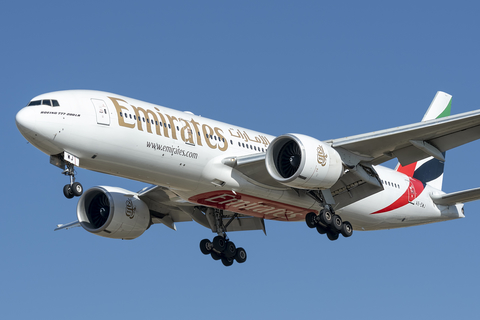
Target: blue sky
(325, 69)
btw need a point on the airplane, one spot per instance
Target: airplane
(228, 178)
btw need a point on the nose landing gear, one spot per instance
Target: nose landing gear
(73, 189)
(67, 162)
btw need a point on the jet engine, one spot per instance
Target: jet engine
(300, 161)
(113, 213)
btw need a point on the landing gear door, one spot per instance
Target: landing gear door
(101, 111)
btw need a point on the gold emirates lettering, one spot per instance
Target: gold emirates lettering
(142, 120)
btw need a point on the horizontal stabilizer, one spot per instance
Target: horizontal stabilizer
(456, 197)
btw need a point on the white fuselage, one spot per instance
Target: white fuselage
(141, 141)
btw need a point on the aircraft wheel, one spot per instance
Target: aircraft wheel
(230, 250)
(347, 229)
(326, 217)
(219, 243)
(206, 246)
(336, 223)
(332, 235)
(227, 262)
(215, 256)
(321, 229)
(310, 220)
(77, 189)
(67, 191)
(241, 255)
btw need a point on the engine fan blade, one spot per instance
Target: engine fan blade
(99, 210)
(289, 159)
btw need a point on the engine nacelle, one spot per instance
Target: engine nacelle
(300, 161)
(113, 213)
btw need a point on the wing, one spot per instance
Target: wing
(359, 153)
(412, 142)
(167, 207)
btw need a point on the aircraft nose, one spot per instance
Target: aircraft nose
(37, 131)
(25, 121)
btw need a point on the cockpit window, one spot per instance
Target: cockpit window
(35, 103)
(51, 103)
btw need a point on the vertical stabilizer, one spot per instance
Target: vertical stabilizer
(430, 170)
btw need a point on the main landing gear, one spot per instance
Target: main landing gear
(221, 248)
(73, 189)
(327, 222)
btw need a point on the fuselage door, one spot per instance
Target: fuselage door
(101, 111)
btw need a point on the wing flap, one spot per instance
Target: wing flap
(456, 197)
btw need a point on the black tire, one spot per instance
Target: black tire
(215, 256)
(326, 217)
(347, 229)
(230, 250)
(206, 246)
(77, 189)
(67, 191)
(310, 220)
(219, 243)
(321, 229)
(332, 235)
(241, 255)
(227, 262)
(336, 223)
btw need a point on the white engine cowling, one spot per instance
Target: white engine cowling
(300, 161)
(113, 213)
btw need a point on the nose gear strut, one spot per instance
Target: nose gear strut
(74, 189)
(67, 162)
